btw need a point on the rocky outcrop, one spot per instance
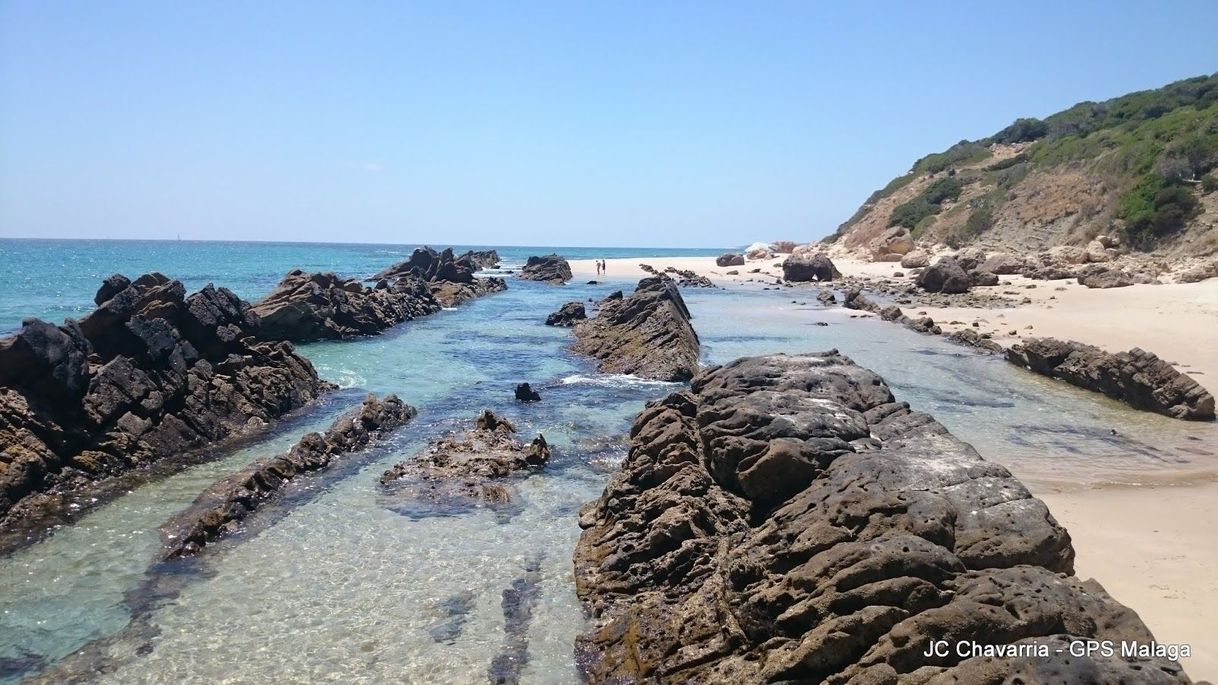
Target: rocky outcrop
(1137, 377)
(809, 267)
(483, 259)
(1103, 276)
(223, 506)
(451, 279)
(916, 259)
(647, 334)
(1199, 272)
(855, 299)
(892, 245)
(686, 278)
(787, 520)
(150, 373)
(758, 251)
(729, 259)
(784, 247)
(324, 306)
(460, 472)
(567, 315)
(945, 276)
(526, 393)
(1003, 264)
(549, 268)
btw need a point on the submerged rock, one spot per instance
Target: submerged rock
(549, 268)
(567, 315)
(1137, 377)
(222, 507)
(787, 520)
(323, 306)
(647, 334)
(809, 267)
(456, 473)
(148, 374)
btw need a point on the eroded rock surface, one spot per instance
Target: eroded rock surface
(549, 268)
(150, 373)
(648, 334)
(450, 278)
(945, 276)
(459, 472)
(325, 306)
(787, 520)
(222, 507)
(809, 267)
(729, 259)
(1137, 377)
(567, 315)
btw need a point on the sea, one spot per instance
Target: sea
(341, 582)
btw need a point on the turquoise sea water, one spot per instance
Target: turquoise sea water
(340, 586)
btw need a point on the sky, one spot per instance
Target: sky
(616, 123)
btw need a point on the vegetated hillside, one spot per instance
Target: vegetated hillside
(1142, 167)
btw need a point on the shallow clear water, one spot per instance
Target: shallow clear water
(342, 588)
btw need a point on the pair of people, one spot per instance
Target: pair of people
(600, 267)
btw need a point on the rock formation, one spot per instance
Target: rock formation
(459, 472)
(567, 315)
(549, 268)
(483, 259)
(526, 393)
(687, 278)
(855, 299)
(786, 520)
(892, 245)
(945, 276)
(1137, 377)
(729, 259)
(324, 306)
(916, 259)
(450, 279)
(148, 374)
(809, 267)
(222, 507)
(647, 334)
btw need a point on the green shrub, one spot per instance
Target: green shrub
(910, 213)
(1155, 208)
(942, 190)
(1022, 131)
(923, 226)
(964, 152)
(979, 221)
(1008, 162)
(1209, 183)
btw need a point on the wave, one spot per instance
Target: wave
(613, 380)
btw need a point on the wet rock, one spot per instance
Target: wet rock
(549, 268)
(567, 315)
(971, 338)
(648, 334)
(1137, 377)
(689, 279)
(945, 276)
(809, 267)
(324, 306)
(729, 259)
(460, 472)
(826, 297)
(223, 506)
(787, 520)
(450, 278)
(526, 393)
(149, 373)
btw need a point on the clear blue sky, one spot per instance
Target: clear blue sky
(564, 123)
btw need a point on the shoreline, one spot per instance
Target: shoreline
(1153, 545)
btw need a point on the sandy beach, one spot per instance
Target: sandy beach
(1154, 547)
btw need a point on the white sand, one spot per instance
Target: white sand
(1154, 547)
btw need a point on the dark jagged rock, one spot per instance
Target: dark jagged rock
(1137, 377)
(809, 267)
(451, 279)
(786, 520)
(223, 506)
(526, 393)
(984, 278)
(567, 315)
(647, 334)
(549, 268)
(456, 473)
(971, 338)
(148, 374)
(945, 276)
(110, 287)
(325, 306)
(689, 279)
(648, 269)
(483, 259)
(729, 259)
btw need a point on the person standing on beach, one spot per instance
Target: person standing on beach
(598, 267)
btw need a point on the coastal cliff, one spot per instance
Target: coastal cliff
(786, 519)
(1132, 174)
